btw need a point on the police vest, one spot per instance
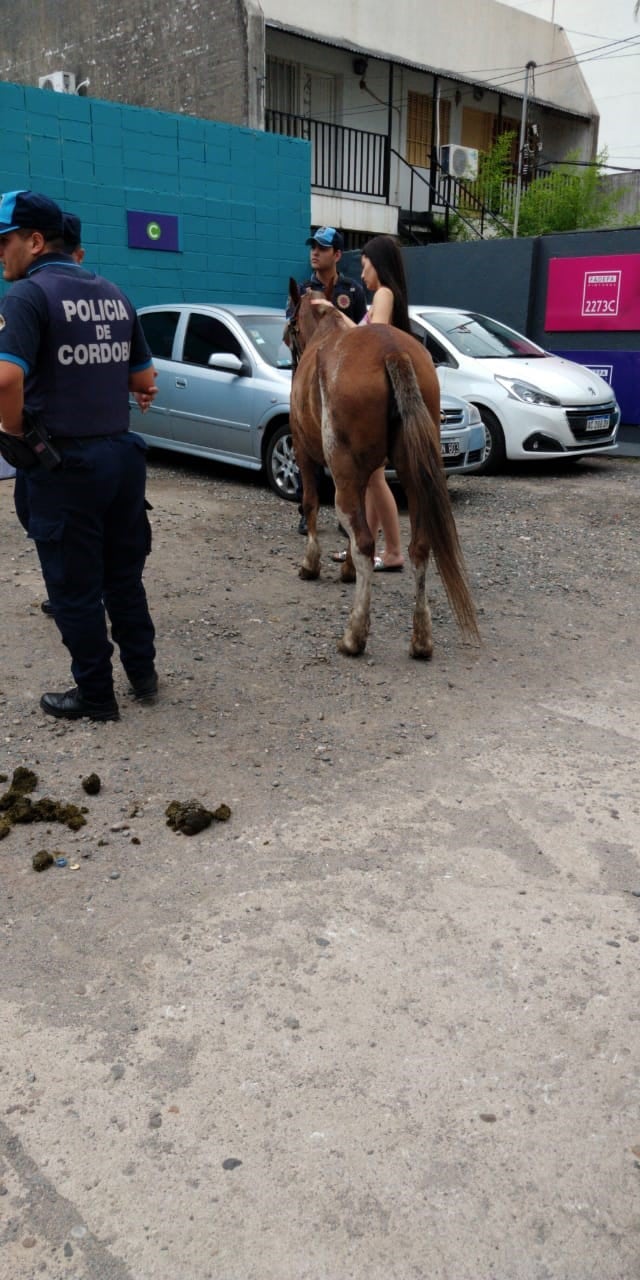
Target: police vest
(81, 380)
(347, 295)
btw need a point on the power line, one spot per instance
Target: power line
(566, 59)
(588, 164)
(590, 35)
(595, 54)
(563, 64)
(541, 69)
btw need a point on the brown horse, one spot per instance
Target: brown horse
(361, 395)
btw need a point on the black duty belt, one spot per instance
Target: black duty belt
(67, 442)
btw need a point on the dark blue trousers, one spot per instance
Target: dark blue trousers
(21, 499)
(89, 522)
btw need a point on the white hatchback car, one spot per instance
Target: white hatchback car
(533, 404)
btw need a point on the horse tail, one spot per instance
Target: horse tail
(416, 451)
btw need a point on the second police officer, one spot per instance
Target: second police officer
(71, 350)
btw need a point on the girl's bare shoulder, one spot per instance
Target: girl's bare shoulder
(382, 305)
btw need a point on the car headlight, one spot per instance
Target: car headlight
(475, 418)
(525, 392)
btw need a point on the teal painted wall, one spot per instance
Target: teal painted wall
(243, 197)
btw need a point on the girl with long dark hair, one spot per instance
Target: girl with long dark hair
(383, 275)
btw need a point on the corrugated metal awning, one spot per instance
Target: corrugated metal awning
(454, 76)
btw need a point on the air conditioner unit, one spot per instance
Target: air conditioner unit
(460, 162)
(58, 82)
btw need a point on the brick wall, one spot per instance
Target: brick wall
(172, 55)
(242, 196)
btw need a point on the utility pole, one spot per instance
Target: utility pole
(530, 67)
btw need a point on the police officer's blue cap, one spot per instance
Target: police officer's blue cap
(327, 238)
(30, 211)
(71, 230)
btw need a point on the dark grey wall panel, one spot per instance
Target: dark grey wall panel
(508, 278)
(489, 276)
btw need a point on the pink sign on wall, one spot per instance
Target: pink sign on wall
(594, 293)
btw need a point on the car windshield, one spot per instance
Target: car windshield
(480, 337)
(265, 332)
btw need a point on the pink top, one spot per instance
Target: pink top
(366, 319)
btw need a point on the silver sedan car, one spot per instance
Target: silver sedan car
(224, 383)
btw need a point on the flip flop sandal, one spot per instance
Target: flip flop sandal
(379, 566)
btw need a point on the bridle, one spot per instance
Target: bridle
(293, 339)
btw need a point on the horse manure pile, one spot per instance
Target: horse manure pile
(42, 859)
(16, 805)
(190, 817)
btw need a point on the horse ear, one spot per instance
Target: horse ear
(322, 307)
(294, 292)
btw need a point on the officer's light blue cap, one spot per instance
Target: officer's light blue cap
(30, 211)
(327, 238)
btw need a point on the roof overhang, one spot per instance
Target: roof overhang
(442, 72)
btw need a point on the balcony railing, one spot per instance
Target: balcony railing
(356, 162)
(351, 161)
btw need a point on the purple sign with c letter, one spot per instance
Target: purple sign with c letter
(153, 231)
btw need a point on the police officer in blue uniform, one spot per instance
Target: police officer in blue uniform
(72, 236)
(71, 349)
(347, 295)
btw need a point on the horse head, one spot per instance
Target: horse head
(304, 313)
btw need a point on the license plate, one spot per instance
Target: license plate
(450, 448)
(597, 424)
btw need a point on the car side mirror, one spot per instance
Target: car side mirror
(442, 360)
(228, 363)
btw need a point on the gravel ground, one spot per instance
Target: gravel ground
(383, 1023)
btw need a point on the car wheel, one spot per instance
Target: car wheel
(495, 452)
(280, 464)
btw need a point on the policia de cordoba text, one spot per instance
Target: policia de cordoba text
(98, 311)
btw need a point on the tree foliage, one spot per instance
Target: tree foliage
(495, 176)
(569, 197)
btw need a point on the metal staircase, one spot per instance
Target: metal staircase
(445, 196)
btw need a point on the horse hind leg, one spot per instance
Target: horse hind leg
(356, 632)
(422, 636)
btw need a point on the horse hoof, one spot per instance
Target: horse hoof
(422, 653)
(347, 573)
(308, 575)
(350, 648)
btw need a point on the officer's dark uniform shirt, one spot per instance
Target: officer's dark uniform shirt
(77, 337)
(348, 296)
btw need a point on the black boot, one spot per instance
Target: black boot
(145, 689)
(47, 608)
(72, 705)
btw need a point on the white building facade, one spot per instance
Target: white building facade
(393, 98)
